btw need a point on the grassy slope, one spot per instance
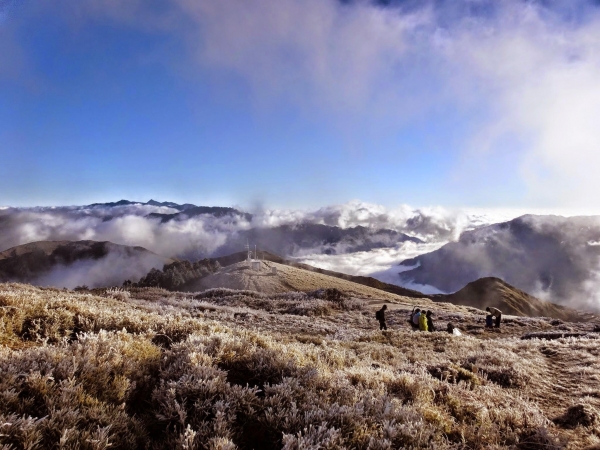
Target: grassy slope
(156, 369)
(510, 300)
(288, 278)
(47, 247)
(365, 281)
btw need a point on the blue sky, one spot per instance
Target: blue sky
(300, 103)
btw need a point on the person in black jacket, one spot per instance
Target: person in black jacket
(430, 326)
(380, 316)
(496, 313)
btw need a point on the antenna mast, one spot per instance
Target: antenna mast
(248, 250)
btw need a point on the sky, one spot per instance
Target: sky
(301, 103)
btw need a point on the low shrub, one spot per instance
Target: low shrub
(578, 415)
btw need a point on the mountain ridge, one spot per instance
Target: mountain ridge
(497, 293)
(34, 261)
(552, 254)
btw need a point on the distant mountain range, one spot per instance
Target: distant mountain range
(552, 256)
(308, 238)
(149, 203)
(232, 229)
(288, 240)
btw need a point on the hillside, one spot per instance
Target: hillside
(366, 281)
(479, 294)
(149, 368)
(67, 263)
(510, 300)
(553, 254)
(286, 278)
(235, 273)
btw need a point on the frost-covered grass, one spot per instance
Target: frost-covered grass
(235, 369)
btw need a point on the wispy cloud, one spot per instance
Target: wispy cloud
(524, 74)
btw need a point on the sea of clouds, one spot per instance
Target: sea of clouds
(202, 236)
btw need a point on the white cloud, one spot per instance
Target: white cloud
(338, 58)
(202, 235)
(539, 77)
(524, 74)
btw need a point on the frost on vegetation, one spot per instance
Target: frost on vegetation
(322, 302)
(103, 372)
(118, 294)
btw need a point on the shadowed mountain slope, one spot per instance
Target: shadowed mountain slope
(294, 240)
(150, 202)
(63, 263)
(193, 211)
(510, 300)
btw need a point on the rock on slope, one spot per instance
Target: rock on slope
(69, 263)
(510, 300)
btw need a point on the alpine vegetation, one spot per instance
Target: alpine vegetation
(225, 369)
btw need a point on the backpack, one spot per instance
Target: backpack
(378, 315)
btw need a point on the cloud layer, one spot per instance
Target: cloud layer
(202, 235)
(206, 235)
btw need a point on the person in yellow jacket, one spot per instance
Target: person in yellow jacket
(423, 322)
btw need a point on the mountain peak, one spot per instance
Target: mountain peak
(495, 292)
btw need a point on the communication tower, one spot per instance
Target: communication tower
(249, 258)
(254, 261)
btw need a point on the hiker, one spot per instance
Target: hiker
(430, 326)
(489, 321)
(414, 318)
(423, 321)
(496, 313)
(380, 316)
